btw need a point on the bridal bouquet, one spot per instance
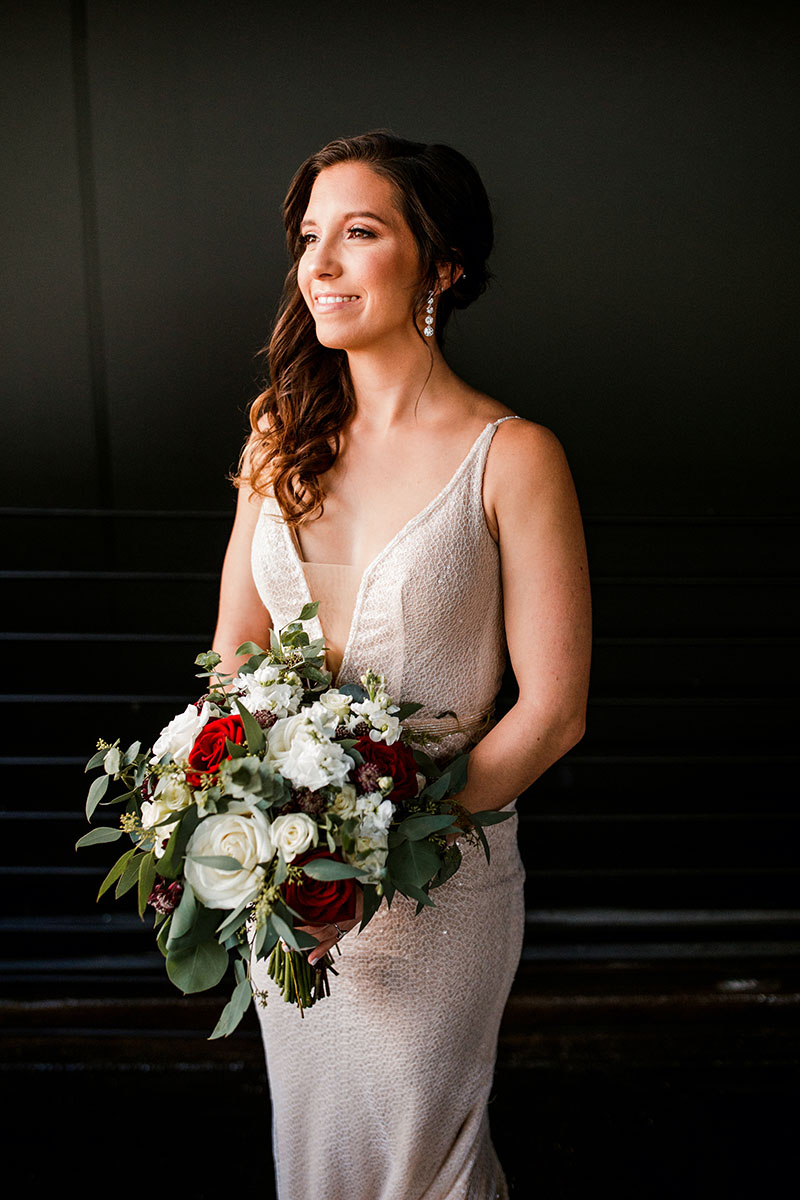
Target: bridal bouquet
(264, 806)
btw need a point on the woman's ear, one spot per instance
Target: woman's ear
(449, 273)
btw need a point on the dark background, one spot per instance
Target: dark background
(642, 164)
(641, 161)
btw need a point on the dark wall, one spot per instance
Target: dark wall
(641, 161)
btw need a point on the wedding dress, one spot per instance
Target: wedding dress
(380, 1092)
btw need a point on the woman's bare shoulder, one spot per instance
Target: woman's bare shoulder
(526, 466)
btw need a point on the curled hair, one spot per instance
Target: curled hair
(297, 419)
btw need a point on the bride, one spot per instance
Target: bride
(439, 531)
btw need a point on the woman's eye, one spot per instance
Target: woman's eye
(358, 231)
(305, 238)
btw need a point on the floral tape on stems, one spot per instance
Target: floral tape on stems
(266, 805)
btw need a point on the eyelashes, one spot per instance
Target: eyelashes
(358, 231)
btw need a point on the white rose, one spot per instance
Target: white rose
(178, 737)
(344, 802)
(282, 735)
(174, 792)
(153, 813)
(337, 702)
(293, 834)
(243, 835)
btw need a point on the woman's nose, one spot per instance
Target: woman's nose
(324, 261)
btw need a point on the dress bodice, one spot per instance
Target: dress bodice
(428, 612)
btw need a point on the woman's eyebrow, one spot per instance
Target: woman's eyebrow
(349, 217)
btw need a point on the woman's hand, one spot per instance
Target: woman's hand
(327, 936)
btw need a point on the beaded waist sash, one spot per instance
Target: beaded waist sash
(449, 732)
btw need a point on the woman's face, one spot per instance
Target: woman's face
(360, 266)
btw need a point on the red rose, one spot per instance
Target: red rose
(321, 901)
(395, 760)
(209, 749)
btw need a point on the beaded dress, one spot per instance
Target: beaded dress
(380, 1092)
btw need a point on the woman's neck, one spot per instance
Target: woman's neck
(390, 389)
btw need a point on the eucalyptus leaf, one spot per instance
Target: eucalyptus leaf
(309, 610)
(130, 753)
(147, 877)
(413, 863)
(184, 914)
(354, 690)
(199, 968)
(220, 862)
(234, 749)
(111, 761)
(130, 876)
(422, 825)
(231, 920)
(280, 870)
(275, 643)
(372, 902)
(406, 710)
(249, 648)
(256, 741)
(169, 865)
(163, 936)
(415, 893)
(329, 868)
(293, 937)
(490, 817)
(234, 1010)
(115, 872)
(318, 676)
(95, 836)
(95, 761)
(439, 788)
(203, 929)
(97, 790)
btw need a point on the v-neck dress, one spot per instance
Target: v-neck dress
(380, 1092)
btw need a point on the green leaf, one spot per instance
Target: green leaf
(169, 865)
(199, 968)
(275, 644)
(220, 862)
(280, 870)
(256, 741)
(417, 827)
(234, 749)
(231, 921)
(95, 761)
(328, 868)
(413, 863)
(372, 902)
(489, 817)
(406, 710)
(184, 915)
(163, 936)
(234, 1010)
(147, 877)
(115, 872)
(95, 836)
(439, 788)
(312, 673)
(130, 753)
(96, 793)
(293, 937)
(450, 864)
(458, 773)
(111, 761)
(130, 876)
(249, 648)
(309, 610)
(415, 893)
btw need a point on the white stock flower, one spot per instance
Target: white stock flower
(302, 750)
(385, 726)
(293, 834)
(243, 835)
(266, 691)
(178, 737)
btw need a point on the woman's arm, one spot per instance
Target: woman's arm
(242, 616)
(529, 493)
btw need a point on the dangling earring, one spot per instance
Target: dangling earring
(428, 330)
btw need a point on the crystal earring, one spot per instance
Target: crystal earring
(428, 330)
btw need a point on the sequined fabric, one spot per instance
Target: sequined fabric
(380, 1092)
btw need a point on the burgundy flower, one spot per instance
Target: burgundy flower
(379, 759)
(321, 901)
(165, 897)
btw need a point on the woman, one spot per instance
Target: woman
(436, 528)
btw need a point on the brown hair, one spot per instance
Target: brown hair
(297, 419)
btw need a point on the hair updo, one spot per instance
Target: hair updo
(297, 418)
